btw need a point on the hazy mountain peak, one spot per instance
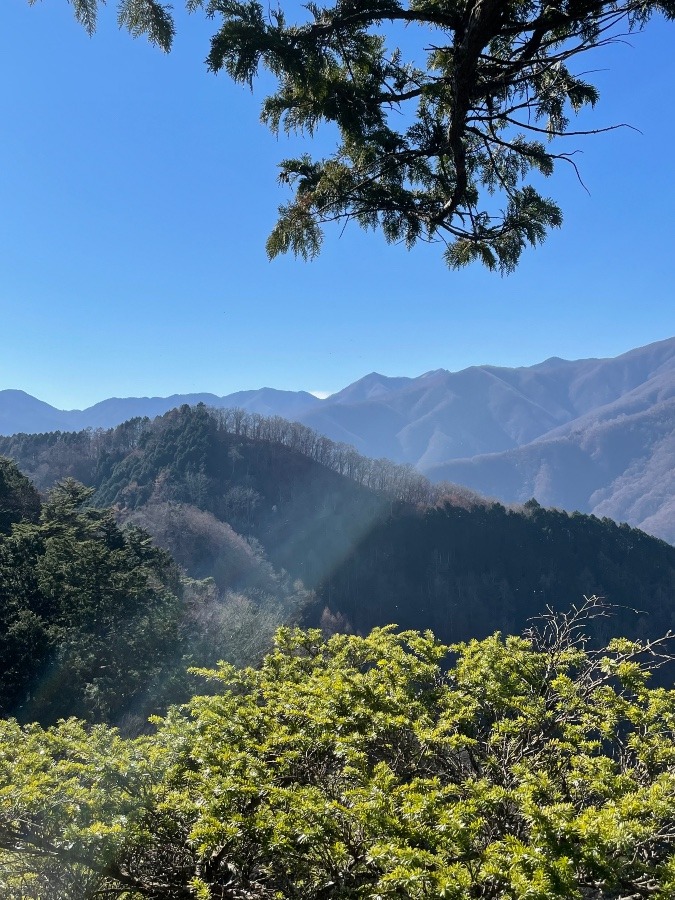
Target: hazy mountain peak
(371, 387)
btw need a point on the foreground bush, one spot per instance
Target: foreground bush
(384, 767)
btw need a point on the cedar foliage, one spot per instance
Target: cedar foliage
(89, 613)
(98, 622)
(446, 143)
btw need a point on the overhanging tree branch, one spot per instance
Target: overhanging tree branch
(429, 173)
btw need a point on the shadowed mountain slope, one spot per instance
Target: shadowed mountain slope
(464, 572)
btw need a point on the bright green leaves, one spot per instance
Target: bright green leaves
(388, 766)
(74, 801)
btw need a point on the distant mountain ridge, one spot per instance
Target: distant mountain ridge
(19, 412)
(596, 435)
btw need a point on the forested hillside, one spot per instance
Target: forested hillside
(218, 674)
(466, 572)
(257, 504)
(306, 499)
(89, 614)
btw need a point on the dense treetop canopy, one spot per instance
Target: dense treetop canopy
(18, 498)
(530, 769)
(447, 143)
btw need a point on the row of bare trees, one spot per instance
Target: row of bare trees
(399, 482)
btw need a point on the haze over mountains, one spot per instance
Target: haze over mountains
(597, 435)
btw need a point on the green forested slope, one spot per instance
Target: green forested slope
(258, 503)
(464, 572)
(19, 501)
(286, 488)
(89, 614)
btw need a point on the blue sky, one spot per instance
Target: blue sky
(137, 190)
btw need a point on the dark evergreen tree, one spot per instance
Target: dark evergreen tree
(446, 144)
(19, 501)
(89, 613)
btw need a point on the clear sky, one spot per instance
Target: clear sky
(137, 190)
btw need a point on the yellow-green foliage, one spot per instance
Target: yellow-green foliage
(383, 767)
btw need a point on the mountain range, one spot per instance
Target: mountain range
(595, 435)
